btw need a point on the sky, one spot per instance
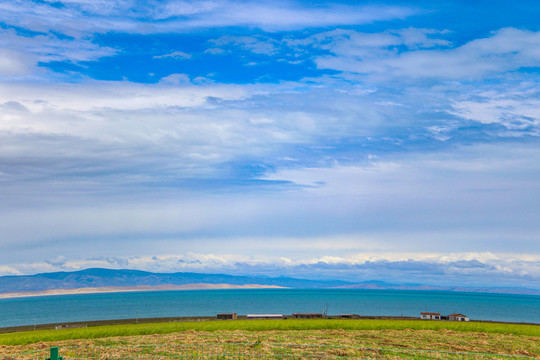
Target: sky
(395, 141)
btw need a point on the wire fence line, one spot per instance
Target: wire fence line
(237, 351)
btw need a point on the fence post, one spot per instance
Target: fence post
(54, 354)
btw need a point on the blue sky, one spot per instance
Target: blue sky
(394, 141)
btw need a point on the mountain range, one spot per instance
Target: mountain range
(97, 277)
(107, 278)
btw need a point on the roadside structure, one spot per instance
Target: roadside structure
(307, 316)
(437, 316)
(227, 316)
(349, 316)
(430, 316)
(264, 316)
(457, 317)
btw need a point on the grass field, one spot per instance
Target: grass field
(478, 337)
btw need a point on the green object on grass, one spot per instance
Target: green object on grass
(54, 354)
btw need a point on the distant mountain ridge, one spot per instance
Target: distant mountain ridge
(100, 278)
(97, 277)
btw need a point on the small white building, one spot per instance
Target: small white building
(264, 316)
(457, 317)
(430, 316)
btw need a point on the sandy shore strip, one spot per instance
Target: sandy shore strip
(111, 289)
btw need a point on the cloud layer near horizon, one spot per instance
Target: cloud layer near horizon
(456, 269)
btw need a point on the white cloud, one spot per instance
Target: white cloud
(176, 79)
(113, 139)
(81, 17)
(517, 109)
(456, 269)
(196, 126)
(100, 135)
(174, 55)
(105, 95)
(257, 45)
(215, 51)
(19, 54)
(366, 46)
(14, 62)
(488, 163)
(508, 49)
(275, 16)
(104, 7)
(415, 38)
(446, 202)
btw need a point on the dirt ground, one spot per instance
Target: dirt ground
(438, 340)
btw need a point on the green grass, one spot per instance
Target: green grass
(30, 337)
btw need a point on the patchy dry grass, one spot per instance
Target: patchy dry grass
(108, 331)
(408, 338)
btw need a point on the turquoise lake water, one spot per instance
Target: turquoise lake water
(85, 307)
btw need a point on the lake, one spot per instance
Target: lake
(87, 307)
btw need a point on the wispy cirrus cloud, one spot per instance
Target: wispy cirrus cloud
(65, 31)
(514, 108)
(20, 54)
(82, 17)
(174, 55)
(376, 55)
(279, 16)
(254, 44)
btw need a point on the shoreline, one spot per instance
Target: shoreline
(132, 321)
(138, 288)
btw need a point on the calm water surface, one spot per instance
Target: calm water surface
(84, 307)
